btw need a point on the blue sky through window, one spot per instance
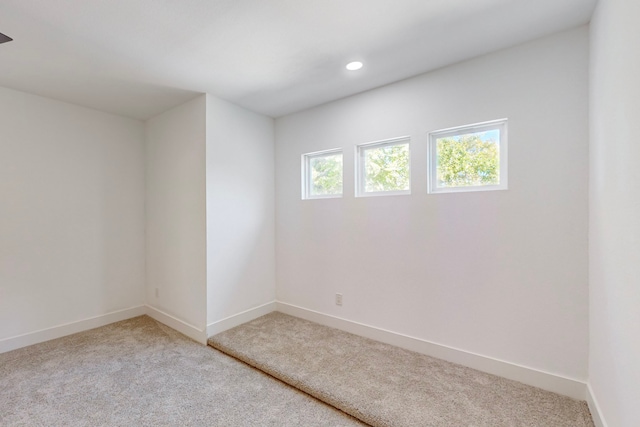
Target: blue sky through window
(492, 135)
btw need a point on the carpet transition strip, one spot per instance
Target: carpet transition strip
(384, 386)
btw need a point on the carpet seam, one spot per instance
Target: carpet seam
(297, 384)
(349, 403)
(282, 381)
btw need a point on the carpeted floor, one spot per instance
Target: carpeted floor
(141, 373)
(388, 386)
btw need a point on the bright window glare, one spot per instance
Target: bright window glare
(383, 168)
(322, 174)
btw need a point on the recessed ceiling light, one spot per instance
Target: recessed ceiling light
(353, 66)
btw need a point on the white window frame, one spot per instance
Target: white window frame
(432, 161)
(306, 174)
(360, 172)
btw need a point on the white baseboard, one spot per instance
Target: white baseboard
(545, 380)
(181, 326)
(240, 318)
(60, 331)
(558, 384)
(596, 412)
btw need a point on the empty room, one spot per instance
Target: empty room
(320, 213)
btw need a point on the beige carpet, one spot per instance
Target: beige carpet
(141, 373)
(384, 385)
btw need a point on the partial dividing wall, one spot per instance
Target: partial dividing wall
(176, 217)
(501, 274)
(614, 222)
(71, 218)
(240, 214)
(210, 216)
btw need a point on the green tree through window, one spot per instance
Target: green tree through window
(386, 168)
(468, 160)
(326, 175)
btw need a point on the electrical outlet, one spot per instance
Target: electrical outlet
(338, 299)
(157, 293)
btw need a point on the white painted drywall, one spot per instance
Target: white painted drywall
(71, 213)
(240, 210)
(501, 274)
(176, 212)
(614, 209)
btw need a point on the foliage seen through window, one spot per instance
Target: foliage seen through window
(325, 175)
(469, 160)
(386, 168)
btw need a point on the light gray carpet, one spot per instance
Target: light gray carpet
(141, 373)
(388, 386)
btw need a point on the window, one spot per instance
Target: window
(469, 158)
(383, 168)
(322, 174)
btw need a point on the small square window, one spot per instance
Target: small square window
(383, 168)
(322, 174)
(469, 158)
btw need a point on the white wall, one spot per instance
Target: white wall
(71, 213)
(614, 231)
(502, 274)
(176, 213)
(240, 210)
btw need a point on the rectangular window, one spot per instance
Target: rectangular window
(469, 158)
(382, 168)
(322, 174)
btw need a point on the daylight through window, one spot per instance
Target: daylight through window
(383, 168)
(322, 174)
(469, 158)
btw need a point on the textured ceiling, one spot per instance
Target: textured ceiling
(140, 57)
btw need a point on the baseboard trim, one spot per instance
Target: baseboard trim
(594, 407)
(545, 380)
(63, 330)
(558, 384)
(181, 326)
(240, 318)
